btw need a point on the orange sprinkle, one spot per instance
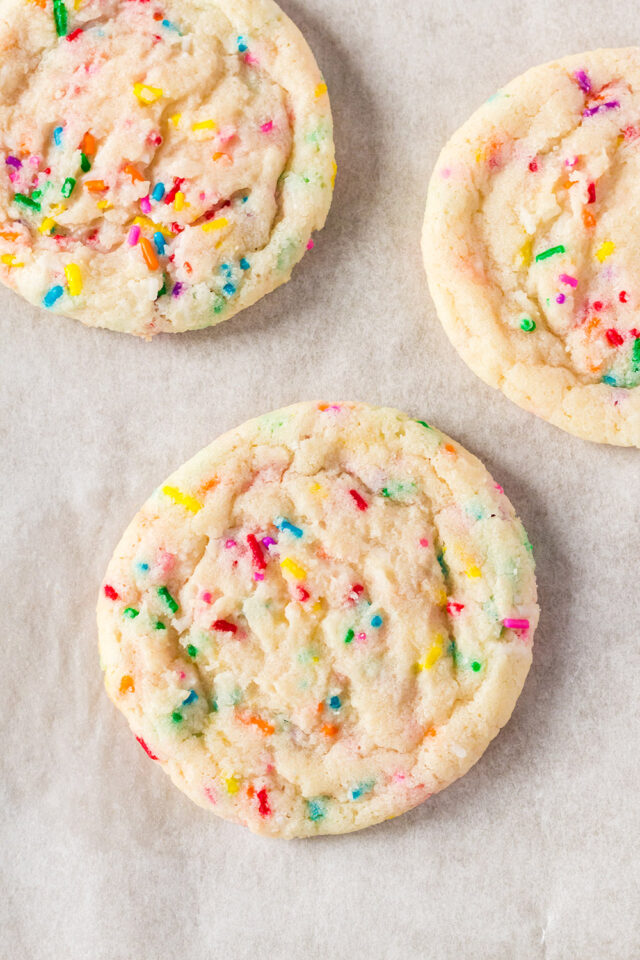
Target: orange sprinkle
(258, 722)
(593, 324)
(96, 186)
(323, 406)
(431, 732)
(133, 172)
(218, 156)
(40, 3)
(588, 219)
(209, 485)
(449, 447)
(88, 144)
(9, 236)
(148, 253)
(188, 267)
(157, 16)
(320, 707)
(329, 729)
(126, 684)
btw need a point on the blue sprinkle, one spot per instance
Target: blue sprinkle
(610, 380)
(244, 263)
(143, 566)
(335, 703)
(317, 808)
(244, 199)
(225, 269)
(242, 44)
(57, 136)
(283, 524)
(376, 621)
(364, 787)
(190, 699)
(52, 296)
(170, 26)
(158, 192)
(158, 239)
(229, 289)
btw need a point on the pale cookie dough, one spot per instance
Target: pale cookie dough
(162, 164)
(532, 244)
(321, 620)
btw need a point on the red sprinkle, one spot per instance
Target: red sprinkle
(224, 626)
(177, 183)
(263, 799)
(454, 608)
(176, 228)
(258, 559)
(110, 592)
(614, 338)
(598, 305)
(146, 748)
(592, 192)
(72, 36)
(360, 502)
(533, 166)
(303, 594)
(623, 296)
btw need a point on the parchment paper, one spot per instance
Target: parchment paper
(535, 853)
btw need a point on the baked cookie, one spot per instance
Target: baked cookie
(163, 164)
(320, 620)
(532, 246)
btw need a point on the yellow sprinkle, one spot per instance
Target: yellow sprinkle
(216, 224)
(104, 205)
(77, 4)
(293, 568)
(178, 200)
(334, 171)
(184, 499)
(57, 208)
(175, 119)
(321, 89)
(473, 571)
(47, 225)
(442, 598)
(433, 655)
(605, 250)
(74, 278)
(204, 125)
(526, 253)
(147, 94)
(151, 225)
(317, 606)
(232, 784)
(319, 490)
(9, 260)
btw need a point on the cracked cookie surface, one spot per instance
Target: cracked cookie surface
(321, 619)
(163, 164)
(532, 249)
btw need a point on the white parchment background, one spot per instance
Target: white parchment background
(536, 852)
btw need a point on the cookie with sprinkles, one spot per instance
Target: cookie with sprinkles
(162, 164)
(531, 247)
(320, 620)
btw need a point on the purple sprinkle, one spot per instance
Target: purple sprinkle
(591, 112)
(13, 162)
(268, 542)
(560, 298)
(177, 290)
(583, 81)
(612, 105)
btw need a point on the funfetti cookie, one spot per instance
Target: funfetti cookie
(321, 620)
(162, 164)
(532, 243)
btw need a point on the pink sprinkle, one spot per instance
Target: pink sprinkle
(399, 776)
(230, 543)
(182, 674)
(225, 134)
(498, 488)
(134, 236)
(206, 597)
(34, 160)
(570, 281)
(145, 205)
(267, 127)
(250, 59)
(513, 624)
(210, 794)
(424, 542)
(258, 576)
(361, 636)
(13, 177)
(166, 561)
(310, 245)
(445, 173)
(571, 162)
(560, 298)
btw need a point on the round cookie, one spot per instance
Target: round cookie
(532, 247)
(320, 620)
(163, 164)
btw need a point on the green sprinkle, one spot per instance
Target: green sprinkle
(67, 187)
(423, 424)
(635, 353)
(36, 194)
(349, 637)
(317, 808)
(168, 599)
(214, 706)
(527, 324)
(26, 202)
(385, 492)
(218, 304)
(131, 613)
(60, 17)
(443, 566)
(550, 253)
(163, 289)
(176, 716)
(192, 651)
(476, 666)
(85, 163)
(453, 652)
(159, 625)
